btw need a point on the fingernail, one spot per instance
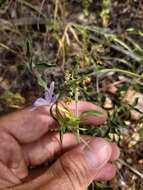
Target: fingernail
(97, 153)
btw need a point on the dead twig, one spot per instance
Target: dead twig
(135, 171)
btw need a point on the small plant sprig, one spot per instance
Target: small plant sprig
(68, 121)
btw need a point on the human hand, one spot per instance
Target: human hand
(25, 141)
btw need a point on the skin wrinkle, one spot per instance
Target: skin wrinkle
(9, 149)
(68, 175)
(52, 145)
(19, 131)
(48, 177)
(58, 148)
(28, 138)
(9, 128)
(7, 175)
(74, 170)
(55, 170)
(71, 169)
(16, 156)
(58, 179)
(35, 184)
(49, 147)
(55, 141)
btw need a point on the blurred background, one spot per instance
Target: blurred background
(100, 41)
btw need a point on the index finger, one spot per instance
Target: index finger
(85, 106)
(28, 126)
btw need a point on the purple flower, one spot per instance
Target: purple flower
(49, 97)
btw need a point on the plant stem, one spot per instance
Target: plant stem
(77, 113)
(131, 168)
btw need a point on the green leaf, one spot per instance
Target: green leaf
(29, 55)
(61, 135)
(100, 186)
(13, 100)
(135, 44)
(59, 118)
(42, 66)
(41, 82)
(91, 113)
(123, 44)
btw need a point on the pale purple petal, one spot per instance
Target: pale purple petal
(40, 102)
(49, 93)
(53, 100)
(52, 87)
(49, 99)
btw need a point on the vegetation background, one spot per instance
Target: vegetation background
(96, 42)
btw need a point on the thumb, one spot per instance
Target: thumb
(76, 169)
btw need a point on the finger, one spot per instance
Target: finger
(16, 162)
(50, 146)
(11, 155)
(5, 184)
(115, 152)
(7, 178)
(115, 149)
(106, 173)
(74, 170)
(84, 106)
(19, 168)
(27, 126)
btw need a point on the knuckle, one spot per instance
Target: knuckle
(75, 171)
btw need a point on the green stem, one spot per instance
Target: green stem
(103, 71)
(129, 73)
(77, 113)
